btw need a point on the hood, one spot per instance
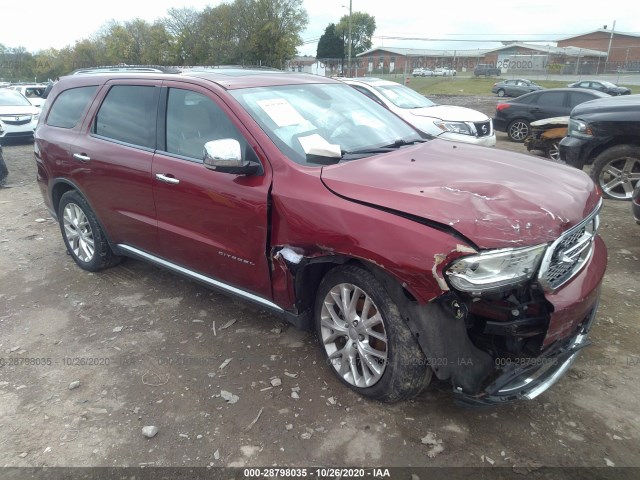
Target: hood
(495, 198)
(626, 103)
(12, 110)
(450, 113)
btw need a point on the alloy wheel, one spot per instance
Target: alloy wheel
(518, 130)
(78, 232)
(354, 336)
(619, 177)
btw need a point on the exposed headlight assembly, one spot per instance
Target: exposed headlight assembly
(495, 269)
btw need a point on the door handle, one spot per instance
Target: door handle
(81, 157)
(164, 178)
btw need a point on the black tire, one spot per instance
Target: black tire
(86, 230)
(501, 92)
(617, 171)
(404, 372)
(518, 130)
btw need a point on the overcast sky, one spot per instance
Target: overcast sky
(42, 24)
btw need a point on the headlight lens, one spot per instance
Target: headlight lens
(495, 269)
(455, 127)
(578, 128)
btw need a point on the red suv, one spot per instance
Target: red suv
(410, 257)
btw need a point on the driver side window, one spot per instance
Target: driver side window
(193, 120)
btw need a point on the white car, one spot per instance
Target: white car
(444, 72)
(18, 117)
(33, 92)
(443, 121)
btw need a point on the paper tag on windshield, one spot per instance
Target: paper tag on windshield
(281, 112)
(316, 145)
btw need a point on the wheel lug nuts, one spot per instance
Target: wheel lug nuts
(361, 337)
(355, 323)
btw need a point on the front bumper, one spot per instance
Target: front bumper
(527, 381)
(7, 130)
(577, 151)
(575, 306)
(486, 141)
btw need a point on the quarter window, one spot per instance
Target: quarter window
(68, 108)
(128, 114)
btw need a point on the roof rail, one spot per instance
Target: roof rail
(126, 68)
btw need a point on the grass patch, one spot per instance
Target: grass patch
(463, 85)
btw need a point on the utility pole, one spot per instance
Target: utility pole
(610, 41)
(349, 54)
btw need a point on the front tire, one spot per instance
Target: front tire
(364, 338)
(617, 171)
(82, 234)
(518, 130)
(501, 93)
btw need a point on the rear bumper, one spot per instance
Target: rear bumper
(500, 124)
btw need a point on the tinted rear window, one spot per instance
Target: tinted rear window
(68, 108)
(551, 99)
(128, 114)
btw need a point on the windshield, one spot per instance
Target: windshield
(403, 97)
(10, 98)
(608, 84)
(308, 121)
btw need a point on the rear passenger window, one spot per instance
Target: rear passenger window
(128, 114)
(68, 108)
(551, 99)
(193, 120)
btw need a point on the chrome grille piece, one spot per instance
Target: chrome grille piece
(483, 129)
(569, 253)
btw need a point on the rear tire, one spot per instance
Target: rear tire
(82, 234)
(617, 171)
(365, 340)
(518, 130)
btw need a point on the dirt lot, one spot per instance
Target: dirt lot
(158, 360)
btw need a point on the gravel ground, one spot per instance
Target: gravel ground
(149, 348)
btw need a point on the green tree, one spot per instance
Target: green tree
(363, 26)
(276, 32)
(330, 45)
(182, 25)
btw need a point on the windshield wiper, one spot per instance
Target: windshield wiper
(384, 149)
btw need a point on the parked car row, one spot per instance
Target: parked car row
(438, 72)
(515, 116)
(580, 126)
(606, 134)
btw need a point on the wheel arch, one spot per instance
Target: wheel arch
(614, 142)
(59, 187)
(305, 277)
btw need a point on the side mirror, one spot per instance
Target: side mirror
(225, 156)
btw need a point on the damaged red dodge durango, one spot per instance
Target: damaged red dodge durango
(411, 257)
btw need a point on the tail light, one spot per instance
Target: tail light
(502, 106)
